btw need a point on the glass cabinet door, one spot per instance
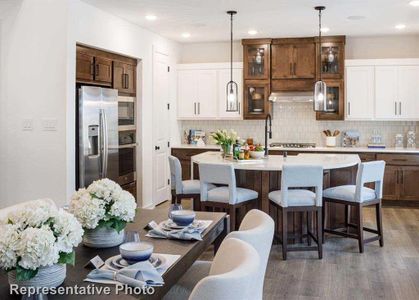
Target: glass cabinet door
(335, 101)
(256, 61)
(256, 104)
(332, 60)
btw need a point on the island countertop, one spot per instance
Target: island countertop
(275, 162)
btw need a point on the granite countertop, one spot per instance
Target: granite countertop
(317, 149)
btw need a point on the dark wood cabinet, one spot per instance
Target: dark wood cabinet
(408, 181)
(84, 66)
(103, 70)
(331, 59)
(124, 78)
(335, 101)
(282, 61)
(256, 59)
(391, 180)
(256, 103)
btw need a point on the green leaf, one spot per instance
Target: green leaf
(119, 225)
(25, 274)
(67, 258)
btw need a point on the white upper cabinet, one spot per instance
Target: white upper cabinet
(386, 102)
(408, 92)
(359, 93)
(202, 91)
(223, 78)
(389, 86)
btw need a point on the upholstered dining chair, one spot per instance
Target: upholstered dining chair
(359, 196)
(4, 212)
(291, 198)
(229, 197)
(183, 189)
(257, 229)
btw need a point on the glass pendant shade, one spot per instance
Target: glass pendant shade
(320, 99)
(232, 96)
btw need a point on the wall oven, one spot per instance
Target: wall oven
(127, 157)
(126, 111)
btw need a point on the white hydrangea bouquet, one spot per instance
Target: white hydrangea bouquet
(36, 237)
(103, 205)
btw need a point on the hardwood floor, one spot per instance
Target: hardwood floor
(391, 272)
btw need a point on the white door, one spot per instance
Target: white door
(408, 92)
(359, 93)
(187, 94)
(386, 106)
(207, 105)
(223, 78)
(161, 127)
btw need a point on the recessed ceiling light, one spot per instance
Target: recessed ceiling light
(400, 26)
(325, 29)
(150, 17)
(414, 3)
(355, 18)
(252, 32)
(186, 35)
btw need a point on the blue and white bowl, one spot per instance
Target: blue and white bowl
(136, 251)
(183, 217)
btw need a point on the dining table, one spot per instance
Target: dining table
(188, 252)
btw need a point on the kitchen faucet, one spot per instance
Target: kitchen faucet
(268, 117)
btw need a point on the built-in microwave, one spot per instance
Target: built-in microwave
(126, 111)
(127, 157)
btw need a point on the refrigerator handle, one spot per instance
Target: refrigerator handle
(105, 145)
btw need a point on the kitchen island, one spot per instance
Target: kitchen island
(264, 176)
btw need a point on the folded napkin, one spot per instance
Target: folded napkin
(136, 275)
(187, 233)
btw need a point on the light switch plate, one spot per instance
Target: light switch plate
(49, 124)
(27, 124)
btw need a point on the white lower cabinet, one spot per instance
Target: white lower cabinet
(201, 91)
(382, 89)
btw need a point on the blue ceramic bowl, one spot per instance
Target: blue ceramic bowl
(183, 217)
(136, 251)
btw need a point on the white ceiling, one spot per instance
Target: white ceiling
(7, 5)
(206, 20)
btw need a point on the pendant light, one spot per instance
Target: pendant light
(232, 87)
(320, 89)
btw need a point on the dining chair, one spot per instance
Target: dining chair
(227, 198)
(183, 189)
(257, 229)
(231, 275)
(359, 196)
(4, 212)
(291, 198)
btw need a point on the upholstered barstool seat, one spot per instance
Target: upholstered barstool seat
(221, 194)
(191, 187)
(295, 198)
(348, 192)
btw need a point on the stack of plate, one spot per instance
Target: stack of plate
(117, 262)
(169, 225)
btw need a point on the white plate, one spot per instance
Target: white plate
(170, 225)
(117, 262)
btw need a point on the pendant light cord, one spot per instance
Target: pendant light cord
(231, 47)
(320, 42)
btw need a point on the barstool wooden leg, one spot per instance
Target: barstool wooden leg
(308, 227)
(323, 219)
(196, 203)
(284, 233)
(360, 228)
(347, 216)
(320, 232)
(379, 217)
(232, 213)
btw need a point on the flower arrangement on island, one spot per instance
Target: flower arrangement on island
(38, 235)
(103, 204)
(225, 139)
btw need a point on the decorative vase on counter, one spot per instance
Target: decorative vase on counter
(331, 141)
(49, 277)
(226, 150)
(102, 237)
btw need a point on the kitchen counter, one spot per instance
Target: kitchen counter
(275, 162)
(316, 149)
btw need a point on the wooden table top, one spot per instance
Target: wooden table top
(188, 250)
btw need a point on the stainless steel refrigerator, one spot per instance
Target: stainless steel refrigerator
(97, 134)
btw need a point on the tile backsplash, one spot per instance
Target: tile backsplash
(296, 122)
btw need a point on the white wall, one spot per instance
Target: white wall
(38, 69)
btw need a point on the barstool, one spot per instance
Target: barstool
(228, 198)
(300, 200)
(359, 196)
(183, 189)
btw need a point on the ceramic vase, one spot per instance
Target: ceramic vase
(50, 277)
(102, 237)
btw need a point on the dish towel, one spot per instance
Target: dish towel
(189, 233)
(137, 275)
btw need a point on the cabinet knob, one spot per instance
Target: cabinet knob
(156, 148)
